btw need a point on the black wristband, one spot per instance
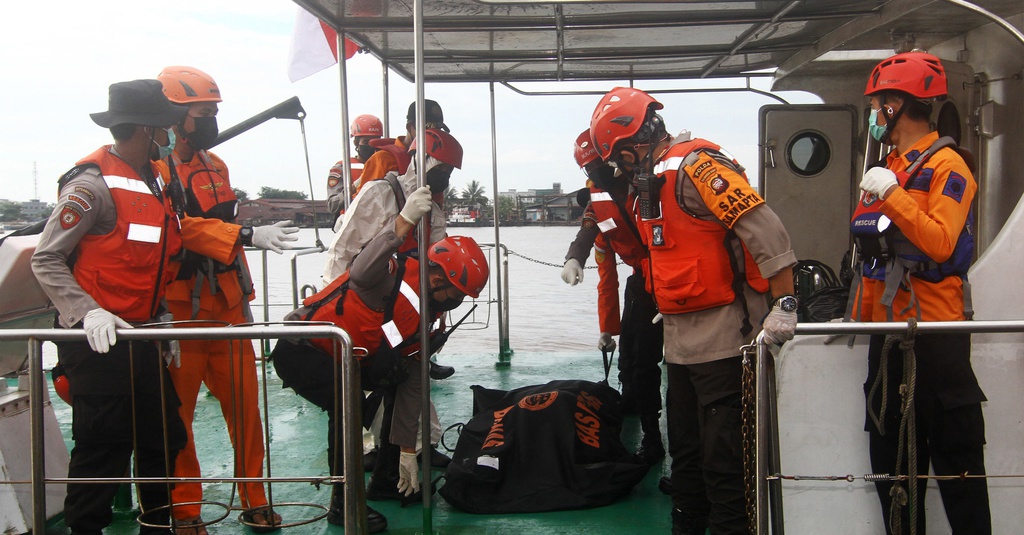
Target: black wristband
(245, 236)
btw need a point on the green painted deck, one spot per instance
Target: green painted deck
(298, 448)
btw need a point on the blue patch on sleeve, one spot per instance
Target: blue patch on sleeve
(922, 181)
(955, 187)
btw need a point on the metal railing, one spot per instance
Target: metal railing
(767, 431)
(355, 499)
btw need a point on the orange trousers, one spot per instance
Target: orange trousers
(227, 367)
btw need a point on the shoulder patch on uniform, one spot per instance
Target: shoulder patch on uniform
(80, 201)
(86, 192)
(955, 186)
(69, 217)
(719, 185)
(392, 265)
(332, 181)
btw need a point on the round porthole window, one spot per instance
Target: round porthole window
(808, 153)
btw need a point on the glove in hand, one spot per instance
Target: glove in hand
(779, 325)
(171, 351)
(100, 328)
(408, 474)
(606, 342)
(273, 237)
(572, 272)
(417, 204)
(877, 181)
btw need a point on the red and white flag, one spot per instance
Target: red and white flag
(314, 46)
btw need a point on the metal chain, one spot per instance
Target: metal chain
(748, 428)
(543, 263)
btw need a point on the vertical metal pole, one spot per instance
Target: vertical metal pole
(346, 152)
(387, 99)
(761, 438)
(352, 441)
(35, 398)
(774, 486)
(424, 240)
(504, 352)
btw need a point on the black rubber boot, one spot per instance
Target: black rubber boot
(439, 372)
(651, 451)
(370, 460)
(683, 524)
(384, 480)
(375, 522)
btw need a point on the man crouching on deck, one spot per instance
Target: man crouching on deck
(377, 302)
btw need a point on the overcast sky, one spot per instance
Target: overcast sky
(61, 56)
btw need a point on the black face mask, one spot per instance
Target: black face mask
(363, 152)
(204, 135)
(603, 177)
(444, 306)
(437, 179)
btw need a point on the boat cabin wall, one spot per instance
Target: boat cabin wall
(987, 89)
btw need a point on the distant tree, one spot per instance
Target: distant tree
(241, 194)
(508, 209)
(10, 211)
(267, 192)
(474, 194)
(451, 197)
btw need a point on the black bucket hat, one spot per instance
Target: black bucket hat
(139, 102)
(435, 117)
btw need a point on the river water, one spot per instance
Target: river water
(545, 314)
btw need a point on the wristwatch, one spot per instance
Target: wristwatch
(787, 303)
(245, 236)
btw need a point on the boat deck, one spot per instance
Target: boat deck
(298, 447)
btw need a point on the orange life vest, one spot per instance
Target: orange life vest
(207, 191)
(126, 270)
(401, 153)
(619, 229)
(691, 259)
(371, 328)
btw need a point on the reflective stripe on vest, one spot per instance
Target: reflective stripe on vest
(390, 329)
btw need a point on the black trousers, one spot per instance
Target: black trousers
(706, 443)
(113, 417)
(641, 347)
(950, 431)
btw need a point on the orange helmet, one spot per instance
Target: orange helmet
(583, 149)
(618, 116)
(442, 146)
(367, 125)
(187, 85)
(464, 264)
(917, 73)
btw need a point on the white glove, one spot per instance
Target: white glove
(657, 317)
(877, 181)
(833, 337)
(572, 273)
(408, 474)
(100, 328)
(779, 325)
(417, 204)
(171, 351)
(606, 342)
(272, 237)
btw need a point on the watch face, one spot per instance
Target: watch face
(788, 303)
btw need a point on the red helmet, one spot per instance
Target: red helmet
(464, 264)
(918, 73)
(618, 116)
(583, 149)
(367, 125)
(442, 146)
(187, 85)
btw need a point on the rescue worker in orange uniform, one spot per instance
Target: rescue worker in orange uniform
(607, 227)
(377, 302)
(214, 284)
(104, 260)
(916, 266)
(364, 129)
(715, 252)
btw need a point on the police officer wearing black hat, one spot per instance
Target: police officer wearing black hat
(103, 261)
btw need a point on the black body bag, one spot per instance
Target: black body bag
(541, 448)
